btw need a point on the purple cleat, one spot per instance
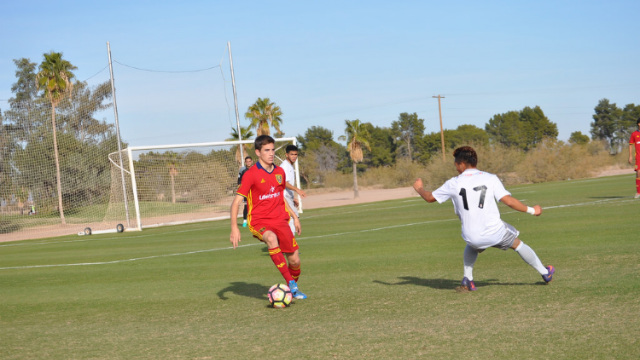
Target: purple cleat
(468, 284)
(547, 278)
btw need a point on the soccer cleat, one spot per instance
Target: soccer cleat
(244, 223)
(468, 284)
(547, 278)
(636, 196)
(297, 294)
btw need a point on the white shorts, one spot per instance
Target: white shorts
(295, 210)
(509, 237)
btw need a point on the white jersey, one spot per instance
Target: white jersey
(290, 173)
(474, 194)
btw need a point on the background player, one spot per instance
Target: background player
(473, 193)
(268, 217)
(291, 186)
(634, 144)
(248, 162)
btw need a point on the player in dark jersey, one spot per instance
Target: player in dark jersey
(248, 162)
(268, 216)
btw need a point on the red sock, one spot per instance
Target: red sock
(637, 185)
(278, 259)
(295, 273)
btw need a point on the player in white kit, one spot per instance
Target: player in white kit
(474, 194)
(290, 172)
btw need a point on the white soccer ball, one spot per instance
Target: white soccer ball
(279, 296)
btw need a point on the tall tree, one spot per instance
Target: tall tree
(55, 79)
(523, 129)
(408, 131)
(607, 124)
(319, 154)
(630, 115)
(26, 100)
(7, 147)
(383, 146)
(77, 115)
(26, 88)
(357, 138)
(263, 115)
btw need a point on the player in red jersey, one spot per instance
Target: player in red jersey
(268, 217)
(634, 144)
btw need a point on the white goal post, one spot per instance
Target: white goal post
(178, 184)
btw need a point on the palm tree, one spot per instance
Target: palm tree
(264, 114)
(54, 78)
(357, 138)
(246, 148)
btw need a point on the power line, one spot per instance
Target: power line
(166, 71)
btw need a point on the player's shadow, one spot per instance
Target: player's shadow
(608, 197)
(257, 291)
(443, 284)
(432, 283)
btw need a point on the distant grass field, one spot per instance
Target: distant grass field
(381, 281)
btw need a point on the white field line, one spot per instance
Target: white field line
(589, 203)
(55, 242)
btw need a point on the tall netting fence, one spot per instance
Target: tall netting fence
(30, 188)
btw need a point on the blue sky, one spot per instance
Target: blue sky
(325, 62)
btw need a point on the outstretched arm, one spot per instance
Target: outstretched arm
(515, 204)
(293, 188)
(418, 186)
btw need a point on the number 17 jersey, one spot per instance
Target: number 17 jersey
(474, 194)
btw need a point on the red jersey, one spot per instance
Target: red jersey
(635, 140)
(264, 193)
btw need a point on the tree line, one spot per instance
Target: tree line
(368, 146)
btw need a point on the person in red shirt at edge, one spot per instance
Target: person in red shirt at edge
(268, 216)
(634, 144)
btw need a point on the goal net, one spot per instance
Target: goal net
(176, 184)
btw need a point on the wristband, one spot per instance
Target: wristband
(531, 210)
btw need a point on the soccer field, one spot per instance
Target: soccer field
(380, 277)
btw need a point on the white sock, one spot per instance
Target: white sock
(529, 256)
(470, 257)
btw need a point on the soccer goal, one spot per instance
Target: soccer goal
(176, 184)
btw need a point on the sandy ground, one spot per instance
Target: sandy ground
(345, 197)
(314, 200)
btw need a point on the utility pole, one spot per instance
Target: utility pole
(441, 130)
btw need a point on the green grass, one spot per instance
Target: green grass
(380, 277)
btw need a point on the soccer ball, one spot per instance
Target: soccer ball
(279, 296)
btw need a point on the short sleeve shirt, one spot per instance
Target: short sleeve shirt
(290, 172)
(263, 191)
(635, 140)
(474, 194)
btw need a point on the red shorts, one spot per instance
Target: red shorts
(286, 240)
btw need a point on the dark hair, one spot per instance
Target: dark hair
(263, 140)
(291, 148)
(466, 154)
(638, 122)
(248, 158)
